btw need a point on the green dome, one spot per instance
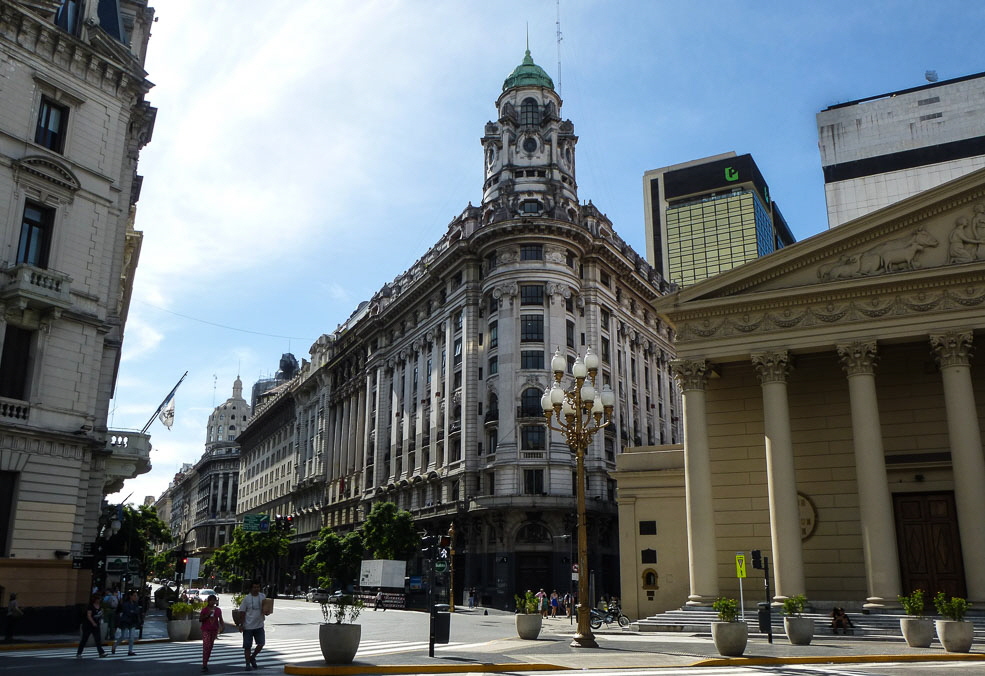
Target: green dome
(528, 74)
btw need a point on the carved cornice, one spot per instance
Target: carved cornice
(858, 357)
(690, 374)
(952, 348)
(772, 367)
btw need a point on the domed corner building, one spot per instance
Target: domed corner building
(428, 396)
(833, 402)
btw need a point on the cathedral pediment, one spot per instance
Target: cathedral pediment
(924, 255)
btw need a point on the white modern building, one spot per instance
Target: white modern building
(881, 149)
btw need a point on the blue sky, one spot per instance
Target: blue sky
(307, 152)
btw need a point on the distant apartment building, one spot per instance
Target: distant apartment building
(73, 120)
(710, 215)
(429, 394)
(881, 149)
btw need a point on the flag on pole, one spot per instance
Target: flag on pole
(167, 414)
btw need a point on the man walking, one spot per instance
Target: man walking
(252, 626)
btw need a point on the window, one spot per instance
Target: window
(458, 321)
(493, 365)
(533, 481)
(569, 304)
(605, 348)
(15, 362)
(531, 328)
(529, 111)
(530, 207)
(532, 294)
(530, 403)
(35, 235)
(532, 359)
(604, 319)
(458, 352)
(493, 304)
(493, 334)
(569, 259)
(569, 333)
(8, 486)
(604, 278)
(52, 123)
(533, 437)
(532, 252)
(67, 18)
(491, 261)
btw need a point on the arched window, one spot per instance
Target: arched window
(534, 534)
(530, 402)
(529, 111)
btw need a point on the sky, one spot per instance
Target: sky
(306, 152)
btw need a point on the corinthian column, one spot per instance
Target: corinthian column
(788, 557)
(874, 500)
(953, 351)
(701, 552)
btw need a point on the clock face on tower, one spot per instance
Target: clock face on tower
(530, 144)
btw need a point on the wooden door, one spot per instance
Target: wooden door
(929, 544)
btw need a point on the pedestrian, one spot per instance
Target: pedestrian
(111, 603)
(567, 604)
(129, 621)
(90, 625)
(252, 626)
(554, 603)
(379, 600)
(541, 602)
(212, 624)
(14, 613)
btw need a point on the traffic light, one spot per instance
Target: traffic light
(429, 546)
(444, 543)
(757, 559)
(180, 563)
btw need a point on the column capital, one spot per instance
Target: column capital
(772, 367)
(691, 374)
(858, 357)
(952, 348)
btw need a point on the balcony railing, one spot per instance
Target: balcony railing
(28, 286)
(14, 409)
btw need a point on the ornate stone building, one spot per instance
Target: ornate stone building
(72, 122)
(834, 408)
(429, 394)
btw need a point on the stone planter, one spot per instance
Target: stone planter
(956, 637)
(178, 630)
(918, 631)
(339, 642)
(730, 637)
(237, 616)
(195, 630)
(528, 626)
(800, 630)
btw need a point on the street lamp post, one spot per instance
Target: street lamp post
(580, 413)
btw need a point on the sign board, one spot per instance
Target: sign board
(117, 564)
(133, 566)
(574, 567)
(740, 565)
(440, 566)
(256, 523)
(192, 568)
(78, 562)
(416, 583)
(86, 548)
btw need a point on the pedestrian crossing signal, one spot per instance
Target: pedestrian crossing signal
(757, 559)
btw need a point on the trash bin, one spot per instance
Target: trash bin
(765, 618)
(442, 623)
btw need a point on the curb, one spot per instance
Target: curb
(837, 659)
(351, 669)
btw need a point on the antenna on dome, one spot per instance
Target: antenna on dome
(557, 25)
(528, 36)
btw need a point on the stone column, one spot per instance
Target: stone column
(874, 500)
(701, 550)
(953, 351)
(788, 557)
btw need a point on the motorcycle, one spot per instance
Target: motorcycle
(612, 614)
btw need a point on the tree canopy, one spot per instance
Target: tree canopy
(140, 530)
(247, 553)
(335, 559)
(389, 532)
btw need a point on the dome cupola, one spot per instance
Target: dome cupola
(528, 74)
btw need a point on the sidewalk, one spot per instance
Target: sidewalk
(155, 629)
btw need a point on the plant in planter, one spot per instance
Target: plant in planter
(917, 629)
(955, 634)
(179, 621)
(338, 635)
(729, 633)
(799, 629)
(528, 619)
(237, 613)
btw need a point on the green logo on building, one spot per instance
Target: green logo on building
(731, 174)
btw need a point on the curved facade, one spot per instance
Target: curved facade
(429, 394)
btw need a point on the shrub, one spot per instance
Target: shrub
(728, 609)
(238, 600)
(953, 609)
(913, 602)
(181, 610)
(341, 610)
(794, 605)
(526, 604)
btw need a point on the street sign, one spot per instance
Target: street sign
(574, 567)
(86, 548)
(78, 562)
(440, 566)
(256, 523)
(740, 565)
(117, 564)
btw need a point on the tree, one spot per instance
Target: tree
(140, 530)
(335, 559)
(389, 532)
(249, 551)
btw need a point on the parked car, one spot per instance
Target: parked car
(204, 594)
(317, 595)
(192, 594)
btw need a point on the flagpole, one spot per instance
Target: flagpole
(163, 404)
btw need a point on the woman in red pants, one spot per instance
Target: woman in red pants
(212, 624)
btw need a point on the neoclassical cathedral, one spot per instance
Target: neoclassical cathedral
(429, 394)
